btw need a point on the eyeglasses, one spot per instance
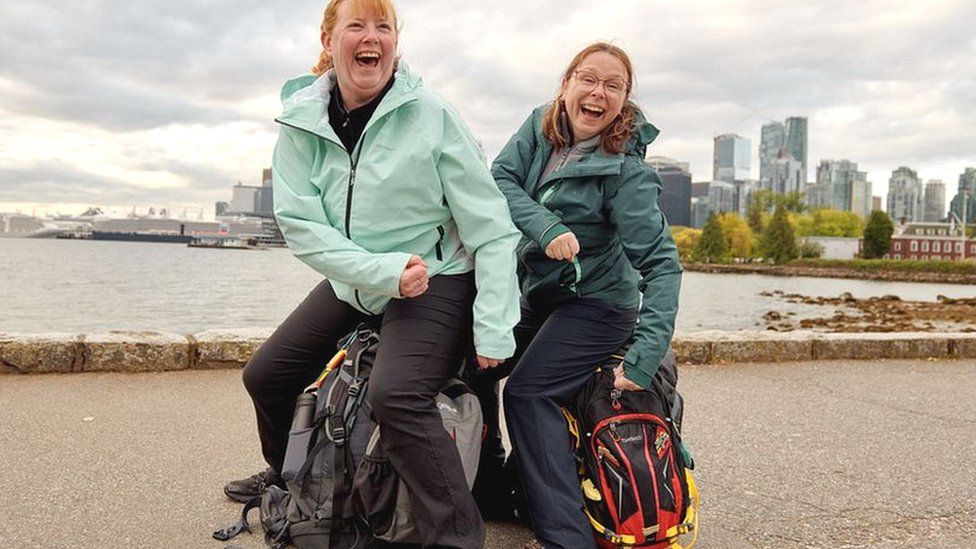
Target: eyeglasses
(612, 85)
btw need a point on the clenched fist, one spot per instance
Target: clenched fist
(414, 281)
(563, 247)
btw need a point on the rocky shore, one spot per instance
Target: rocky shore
(877, 314)
(832, 272)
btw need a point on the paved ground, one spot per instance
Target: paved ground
(816, 454)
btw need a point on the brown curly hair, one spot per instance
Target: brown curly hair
(331, 17)
(614, 137)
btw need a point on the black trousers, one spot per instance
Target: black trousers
(422, 342)
(557, 351)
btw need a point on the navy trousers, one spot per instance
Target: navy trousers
(558, 350)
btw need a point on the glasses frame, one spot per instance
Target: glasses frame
(602, 81)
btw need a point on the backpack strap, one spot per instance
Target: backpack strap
(225, 534)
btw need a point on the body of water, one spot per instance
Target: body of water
(88, 286)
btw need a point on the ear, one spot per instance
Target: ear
(327, 43)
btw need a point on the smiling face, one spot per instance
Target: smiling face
(594, 93)
(363, 47)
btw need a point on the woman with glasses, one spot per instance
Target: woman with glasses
(597, 265)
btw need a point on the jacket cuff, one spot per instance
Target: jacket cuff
(635, 373)
(396, 262)
(502, 347)
(551, 233)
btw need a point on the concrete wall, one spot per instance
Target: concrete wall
(153, 351)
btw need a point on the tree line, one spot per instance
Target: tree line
(775, 230)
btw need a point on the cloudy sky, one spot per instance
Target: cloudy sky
(169, 103)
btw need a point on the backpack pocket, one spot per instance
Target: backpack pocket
(299, 443)
(375, 488)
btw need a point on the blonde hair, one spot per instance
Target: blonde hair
(331, 17)
(614, 137)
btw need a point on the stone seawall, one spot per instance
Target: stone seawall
(154, 351)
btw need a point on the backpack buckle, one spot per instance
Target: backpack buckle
(338, 435)
(355, 388)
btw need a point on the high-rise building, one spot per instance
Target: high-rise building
(861, 197)
(786, 175)
(721, 197)
(964, 203)
(934, 210)
(904, 196)
(770, 144)
(796, 142)
(842, 187)
(675, 198)
(266, 177)
(875, 203)
(731, 158)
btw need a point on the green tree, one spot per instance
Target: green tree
(712, 246)
(759, 202)
(778, 242)
(877, 235)
(791, 202)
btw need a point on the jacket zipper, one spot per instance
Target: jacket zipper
(353, 163)
(577, 268)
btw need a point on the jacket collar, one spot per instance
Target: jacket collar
(599, 162)
(305, 100)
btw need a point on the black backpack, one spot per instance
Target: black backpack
(331, 432)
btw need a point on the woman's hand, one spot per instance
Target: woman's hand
(563, 247)
(622, 383)
(485, 362)
(413, 280)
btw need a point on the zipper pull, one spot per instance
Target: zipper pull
(352, 177)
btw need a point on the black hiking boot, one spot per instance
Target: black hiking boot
(254, 485)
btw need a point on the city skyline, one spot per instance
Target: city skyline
(109, 118)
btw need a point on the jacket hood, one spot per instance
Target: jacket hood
(306, 98)
(644, 134)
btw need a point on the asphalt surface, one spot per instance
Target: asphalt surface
(814, 454)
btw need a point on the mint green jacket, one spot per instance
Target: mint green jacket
(416, 183)
(609, 201)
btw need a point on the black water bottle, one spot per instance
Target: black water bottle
(304, 412)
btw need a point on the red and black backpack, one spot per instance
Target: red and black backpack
(635, 472)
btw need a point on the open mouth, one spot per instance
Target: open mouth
(367, 59)
(591, 112)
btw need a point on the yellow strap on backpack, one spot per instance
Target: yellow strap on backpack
(689, 525)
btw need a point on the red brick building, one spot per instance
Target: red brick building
(929, 241)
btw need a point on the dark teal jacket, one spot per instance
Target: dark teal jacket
(627, 256)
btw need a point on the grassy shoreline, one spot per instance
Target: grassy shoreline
(949, 272)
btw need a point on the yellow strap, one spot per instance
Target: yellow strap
(573, 427)
(691, 518)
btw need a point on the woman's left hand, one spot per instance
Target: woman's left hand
(485, 362)
(622, 383)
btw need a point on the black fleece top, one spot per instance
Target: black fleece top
(349, 125)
